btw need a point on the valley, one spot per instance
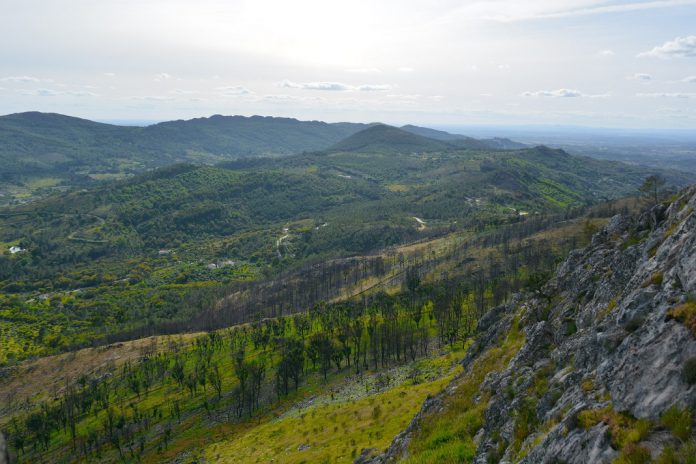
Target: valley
(256, 309)
(367, 232)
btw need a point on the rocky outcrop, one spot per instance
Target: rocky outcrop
(608, 350)
(4, 454)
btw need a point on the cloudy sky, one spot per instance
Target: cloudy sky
(505, 62)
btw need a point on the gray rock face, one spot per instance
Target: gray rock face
(601, 336)
(4, 455)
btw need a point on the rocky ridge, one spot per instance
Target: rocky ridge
(607, 370)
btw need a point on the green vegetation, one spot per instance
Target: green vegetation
(162, 247)
(332, 432)
(634, 454)
(336, 289)
(158, 405)
(689, 371)
(683, 454)
(678, 421)
(686, 314)
(73, 151)
(624, 431)
(381, 138)
(447, 436)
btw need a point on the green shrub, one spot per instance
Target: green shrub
(624, 430)
(678, 421)
(570, 326)
(686, 314)
(689, 371)
(634, 454)
(684, 454)
(657, 278)
(634, 324)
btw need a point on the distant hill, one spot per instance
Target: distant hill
(462, 141)
(456, 139)
(235, 136)
(498, 143)
(382, 138)
(45, 144)
(435, 134)
(43, 151)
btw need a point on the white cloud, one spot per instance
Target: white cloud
(515, 10)
(55, 93)
(406, 69)
(665, 95)
(23, 79)
(288, 99)
(414, 96)
(233, 90)
(331, 86)
(40, 93)
(606, 53)
(690, 79)
(110, 74)
(151, 98)
(364, 70)
(681, 47)
(560, 93)
(334, 86)
(405, 96)
(373, 88)
(161, 77)
(183, 91)
(80, 93)
(640, 77)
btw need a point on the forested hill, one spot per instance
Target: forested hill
(36, 143)
(383, 138)
(409, 138)
(46, 150)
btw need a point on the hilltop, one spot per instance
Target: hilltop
(411, 139)
(383, 138)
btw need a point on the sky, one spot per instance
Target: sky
(593, 63)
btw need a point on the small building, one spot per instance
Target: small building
(16, 249)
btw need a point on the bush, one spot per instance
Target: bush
(624, 430)
(689, 371)
(657, 278)
(686, 314)
(634, 324)
(376, 412)
(634, 454)
(685, 454)
(678, 422)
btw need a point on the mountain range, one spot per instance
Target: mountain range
(71, 150)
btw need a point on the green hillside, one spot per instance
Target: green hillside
(44, 153)
(158, 247)
(41, 150)
(383, 138)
